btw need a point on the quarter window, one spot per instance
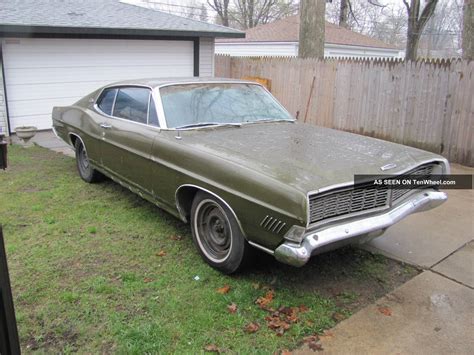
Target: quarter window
(132, 104)
(106, 101)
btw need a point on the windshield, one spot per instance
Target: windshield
(195, 105)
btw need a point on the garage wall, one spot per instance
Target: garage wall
(41, 73)
(206, 56)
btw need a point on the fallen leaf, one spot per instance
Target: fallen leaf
(252, 327)
(147, 280)
(315, 346)
(176, 237)
(212, 348)
(161, 253)
(385, 311)
(264, 301)
(224, 289)
(255, 285)
(338, 316)
(285, 352)
(326, 335)
(303, 308)
(232, 308)
(311, 338)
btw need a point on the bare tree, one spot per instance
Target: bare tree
(312, 28)
(221, 7)
(203, 15)
(251, 13)
(344, 13)
(417, 20)
(468, 30)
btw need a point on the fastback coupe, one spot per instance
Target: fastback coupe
(226, 157)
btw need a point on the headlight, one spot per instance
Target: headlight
(295, 234)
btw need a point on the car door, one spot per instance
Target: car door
(128, 137)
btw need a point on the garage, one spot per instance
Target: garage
(42, 73)
(53, 53)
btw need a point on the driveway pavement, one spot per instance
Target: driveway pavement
(434, 312)
(431, 314)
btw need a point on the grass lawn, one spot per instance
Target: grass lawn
(94, 268)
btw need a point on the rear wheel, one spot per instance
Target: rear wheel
(217, 234)
(86, 171)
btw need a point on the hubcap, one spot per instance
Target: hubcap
(213, 230)
(83, 161)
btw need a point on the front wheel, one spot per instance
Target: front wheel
(86, 171)
(217, 234)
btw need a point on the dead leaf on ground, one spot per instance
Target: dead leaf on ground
(161, 253)
(176, 237)
(338, 316)
(303, 308)
(252, 327)
(326, 335)
(311, 338)
(315, 346)
(147, 280)
(255, 285)
(285, 352)
(223, 290)
(264, 301)
(232, 308)
(385, 311)
(212, 348)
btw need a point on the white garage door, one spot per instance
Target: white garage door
(42, 73)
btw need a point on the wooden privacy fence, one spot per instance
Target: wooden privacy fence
(425, 104)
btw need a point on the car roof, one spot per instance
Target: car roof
(155, 82)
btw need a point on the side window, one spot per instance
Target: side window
(152, 115)
(106, 100)
(132, 104)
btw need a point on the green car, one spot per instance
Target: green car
(226, 157)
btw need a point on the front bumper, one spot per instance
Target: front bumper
(350, 232)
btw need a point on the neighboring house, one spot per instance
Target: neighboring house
(280, 38)
(54, 52)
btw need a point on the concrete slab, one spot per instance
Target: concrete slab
(426, 238)
(459, 266)
(47, 139)
(429, 315)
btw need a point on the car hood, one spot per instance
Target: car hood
(306, 157)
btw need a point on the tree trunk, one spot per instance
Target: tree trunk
(312, 28)
(468, 30)
(344, 13)
(416, 23)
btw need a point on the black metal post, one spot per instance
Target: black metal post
(9, 344)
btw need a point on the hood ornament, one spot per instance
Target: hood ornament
(388, 166)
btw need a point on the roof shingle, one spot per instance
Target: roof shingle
(100, 16)
(287, 30)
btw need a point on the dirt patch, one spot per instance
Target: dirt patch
(351, 277)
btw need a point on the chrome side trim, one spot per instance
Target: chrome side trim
(258, 246)
(298, 254)
(183, 216)
(77, 136)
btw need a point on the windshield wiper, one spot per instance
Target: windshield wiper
(208, 124)
(263, 120)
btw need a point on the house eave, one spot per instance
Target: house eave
(7, 30)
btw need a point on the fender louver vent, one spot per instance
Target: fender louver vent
(272, 224)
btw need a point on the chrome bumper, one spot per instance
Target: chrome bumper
(298, 254)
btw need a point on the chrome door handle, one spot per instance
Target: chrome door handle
(105, 125)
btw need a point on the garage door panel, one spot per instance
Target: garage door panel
(40, 107)
(77, 75)
(43, 73)
(68, 60)
(29, 45)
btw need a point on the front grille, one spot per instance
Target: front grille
(361, 198)
(424, 170)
